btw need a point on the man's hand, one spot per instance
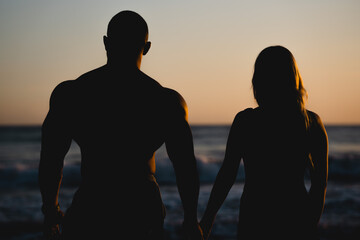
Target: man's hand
(192, 231)
(52, 232)
(206, 226)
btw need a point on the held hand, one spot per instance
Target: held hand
(206, 227)
(192, 231)
(51, 232)
(52, 218)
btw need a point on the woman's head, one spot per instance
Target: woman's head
(277, 81)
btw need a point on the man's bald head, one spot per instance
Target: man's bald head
(126, 39)
(128, 27)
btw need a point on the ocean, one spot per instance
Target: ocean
(20, 200)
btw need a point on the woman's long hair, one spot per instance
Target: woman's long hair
(277, 82)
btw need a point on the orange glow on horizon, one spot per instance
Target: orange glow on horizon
(206, 53)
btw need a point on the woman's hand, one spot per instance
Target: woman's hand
(206, 226)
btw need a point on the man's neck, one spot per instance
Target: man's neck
(127, 62)
(122, 66)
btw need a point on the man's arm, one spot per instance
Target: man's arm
(179, 146)
(55, 143)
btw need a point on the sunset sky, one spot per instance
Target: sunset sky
(204, 49)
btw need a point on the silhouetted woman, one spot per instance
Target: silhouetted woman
(279, 141)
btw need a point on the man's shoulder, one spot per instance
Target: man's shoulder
(62, 95)
(68, 89)
(69, 85)
(147, 80)
(173, 97)
(170, 96)
(97, 73)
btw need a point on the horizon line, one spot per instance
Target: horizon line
(191, 124)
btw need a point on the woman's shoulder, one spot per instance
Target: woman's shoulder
(245, 115)
(316, 125)
(314, 118)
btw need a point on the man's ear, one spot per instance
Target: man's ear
(106, 42)
(146, 48)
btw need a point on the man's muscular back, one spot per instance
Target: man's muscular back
(118, 119)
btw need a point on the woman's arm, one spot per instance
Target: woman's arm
(319, 171)
(225, 178)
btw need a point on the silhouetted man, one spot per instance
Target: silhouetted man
(119, 117)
